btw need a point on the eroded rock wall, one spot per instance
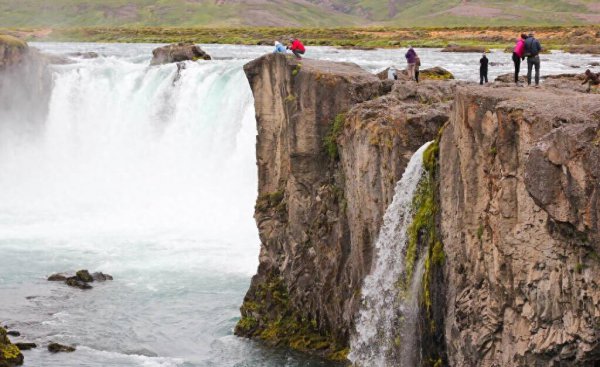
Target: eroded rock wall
(330, 151)
(519, 219)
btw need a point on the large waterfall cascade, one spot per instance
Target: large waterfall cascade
(386, 325)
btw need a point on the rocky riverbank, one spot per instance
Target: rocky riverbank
(511, 222)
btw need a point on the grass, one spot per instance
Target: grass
(208, 13)
(359, 37)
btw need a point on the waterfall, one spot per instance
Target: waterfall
(386, 325)
(131, 149)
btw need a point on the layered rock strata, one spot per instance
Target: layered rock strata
(509, 212)
(519, 185)
(329, 153)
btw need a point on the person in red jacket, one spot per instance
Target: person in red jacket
(519, 55)
(297, 48)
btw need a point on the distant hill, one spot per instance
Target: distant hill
(296, 13)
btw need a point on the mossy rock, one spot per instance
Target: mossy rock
(10, 355)
(269, 316)
(10, 41)
(436, 73)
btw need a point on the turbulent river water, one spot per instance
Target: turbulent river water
(153, 181)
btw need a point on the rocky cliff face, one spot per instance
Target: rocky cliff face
(25, 82)
(329, 153)
(519, 207)
(511, 218)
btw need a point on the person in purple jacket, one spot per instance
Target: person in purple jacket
(411, 59)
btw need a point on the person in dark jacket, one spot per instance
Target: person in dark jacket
(411, 60)
(483, 69)
(532, 51)
(297, 48)
(519, 55)
(591, 79)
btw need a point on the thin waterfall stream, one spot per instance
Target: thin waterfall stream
(386, 327)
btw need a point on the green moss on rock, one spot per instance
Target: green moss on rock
(268, 315)
(10, 355)
(330, 140)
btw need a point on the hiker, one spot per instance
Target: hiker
(519, 55)
(483, 69)
(297, 48)
(411, 59)
(532, 51)
(279, 48)
(592, 79)
(417, 67)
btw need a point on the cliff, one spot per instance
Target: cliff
(25, 82)
(519, 186)
(509, 216)
(329, 152)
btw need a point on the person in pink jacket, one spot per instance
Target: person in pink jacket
(519, 55)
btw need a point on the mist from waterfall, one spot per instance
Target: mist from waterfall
(386, 332)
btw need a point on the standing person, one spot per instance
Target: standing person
(297, 48)
(483, 69)
(532, 51)
(591, 79)
(417, 68)
(411, 59)
(519, 55)
(279, 48)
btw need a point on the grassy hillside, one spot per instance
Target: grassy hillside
(296, 13)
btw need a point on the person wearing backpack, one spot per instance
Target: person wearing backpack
(532, 51)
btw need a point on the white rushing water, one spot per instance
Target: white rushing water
(387, 316)
(154, 182)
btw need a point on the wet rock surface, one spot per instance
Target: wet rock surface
(26, 346)
(81, 279)
(329, 150)
(10, 355)
(60, 348)
(178, 52)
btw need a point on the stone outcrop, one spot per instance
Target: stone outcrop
(25, 81)
(178, 52)
(10, 355)
(461, 48)
(511, 220)
(329, 153)
(12, 51)
(519, 223)
(434, 73)
(81, 279)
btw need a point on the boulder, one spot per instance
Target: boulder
(75, 282)
(26, 346)
(101, 277)
(593, 49)
(58, 277)
(84, 276)
(84, 55)
(57, 348)
(13, 333)
(10, 355)
(510, 78)
(178, 52)
(435, 73)
(459, 48)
